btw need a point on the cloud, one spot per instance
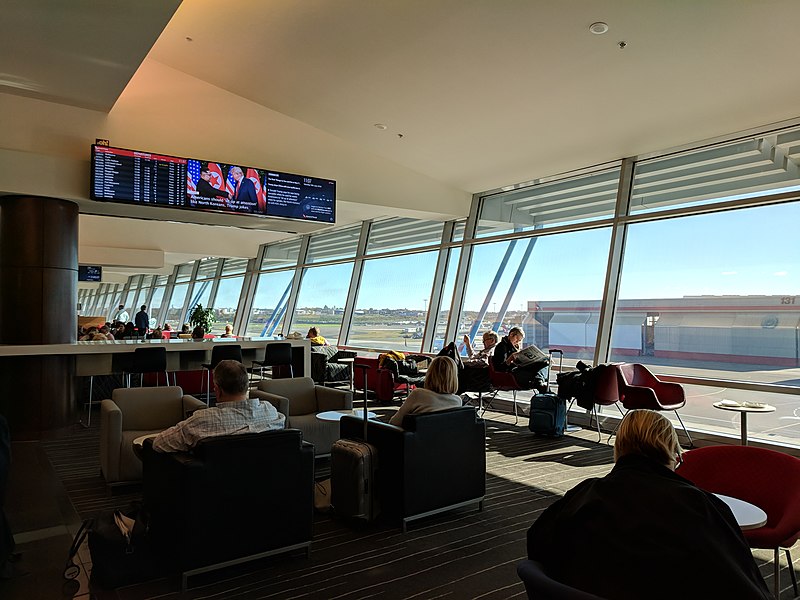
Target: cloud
(781, 273)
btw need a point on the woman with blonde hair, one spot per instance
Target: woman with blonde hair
(643, 531)
(439, 393)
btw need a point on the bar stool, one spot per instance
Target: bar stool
(149, 360)
(218, 354)
(275, 355)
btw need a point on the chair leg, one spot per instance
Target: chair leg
(777, 570)
(691, 443)
(514, 396)
(791, 570)
(597, 422)
(89, 415)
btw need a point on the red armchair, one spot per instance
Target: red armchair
(639, 388)
(380, 381)
(768, 479)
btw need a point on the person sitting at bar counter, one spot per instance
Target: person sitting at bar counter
(234, 413)
(643, 531)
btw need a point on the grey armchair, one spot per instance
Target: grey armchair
(133, 412)
(300, 400)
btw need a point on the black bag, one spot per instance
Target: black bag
(121, 558)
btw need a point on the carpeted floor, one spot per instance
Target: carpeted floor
(465, 554)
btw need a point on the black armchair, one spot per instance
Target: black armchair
(325, 369)
(235, 498)
(435, 463)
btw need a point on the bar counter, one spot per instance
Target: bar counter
(41, 382)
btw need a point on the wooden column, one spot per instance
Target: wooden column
(38, 296)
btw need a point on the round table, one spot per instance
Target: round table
(748, 516)
(743, 410)
(336, 415)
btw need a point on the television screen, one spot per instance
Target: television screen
(131, 176)
(231, 188)
(122, 175)
(298, 197)
(90, 273)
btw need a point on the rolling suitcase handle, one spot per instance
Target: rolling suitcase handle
(560, 353)
(366, 394)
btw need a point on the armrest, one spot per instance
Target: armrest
(110, 439)
(279, 402)
(333, 399)
(344, 354)
(191, 404)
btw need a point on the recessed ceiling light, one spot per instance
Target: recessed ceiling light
(598, 28)
(381, 126)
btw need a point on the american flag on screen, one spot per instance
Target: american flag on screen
(261, 193)
(230, 182)
(192, 176)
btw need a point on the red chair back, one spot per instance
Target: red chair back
(502, 381)
(766, 478)
(639, 388)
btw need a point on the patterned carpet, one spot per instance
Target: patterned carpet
(464, 554)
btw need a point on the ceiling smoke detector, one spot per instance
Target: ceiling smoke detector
(381, 126)
(598, 28)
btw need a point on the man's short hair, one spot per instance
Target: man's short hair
(231, 377)
(491, 334)
(144, 306)
(518, 331)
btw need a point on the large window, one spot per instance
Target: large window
(320, 303)
(541, 284)
(228, 292)
(447, 297)
(392, 302)
(269, 304)
(174, 314)
(715, 294)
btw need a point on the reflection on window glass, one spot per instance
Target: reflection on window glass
(743, 169)
(174, 314)
(447, 298)
(269, 304)
(401, 233)
(281, 255)
(226, 302)
(334, 245)
(577, 199)
(320, 303)
(534, 284)
(393, 301)
(717, 292)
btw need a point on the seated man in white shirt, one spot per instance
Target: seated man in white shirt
(234, 413)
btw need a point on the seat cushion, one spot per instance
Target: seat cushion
(337, 372)
(130, 466)
(320, 433)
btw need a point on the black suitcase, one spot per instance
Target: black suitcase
(354, 464)
(548, 415)
(118, 559)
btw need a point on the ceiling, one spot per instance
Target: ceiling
(474, 94)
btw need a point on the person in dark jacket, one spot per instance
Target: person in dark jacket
(142, 321)
(643, 531)
(528, 377)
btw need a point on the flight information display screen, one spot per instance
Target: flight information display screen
(141, 177)
(136, 177)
